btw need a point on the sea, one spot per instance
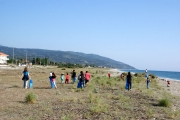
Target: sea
(168, 75)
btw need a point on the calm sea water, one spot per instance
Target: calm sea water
(161, 74)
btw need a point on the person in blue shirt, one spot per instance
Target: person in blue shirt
(25, 77)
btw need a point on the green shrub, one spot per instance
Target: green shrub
(139, 74)
(152, 76)
(165, 102)
(31, 98)
(136, 74)
(63, 69)
(125, 74)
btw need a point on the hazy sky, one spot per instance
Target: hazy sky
(141, 33)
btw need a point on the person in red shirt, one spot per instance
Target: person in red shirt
(67, 78)
(109, 75)
(168, 83)
(87, 77)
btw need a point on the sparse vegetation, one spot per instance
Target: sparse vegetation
(31, 98)
(165, 102)
(103, 98)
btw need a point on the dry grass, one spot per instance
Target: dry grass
(103, 99)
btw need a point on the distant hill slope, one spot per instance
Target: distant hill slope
(64, 56)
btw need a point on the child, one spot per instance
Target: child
(62, 78)
(25, 77)
(168, 83)
(54, 79)
(67, 79)
(109, 75)
(148, 82)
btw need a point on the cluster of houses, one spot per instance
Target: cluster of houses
(3, 58)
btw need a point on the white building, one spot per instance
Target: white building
(3, 58)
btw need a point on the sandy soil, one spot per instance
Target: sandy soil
(174, 88)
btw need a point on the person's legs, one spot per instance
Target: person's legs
(54, 82)
(86, 82)
(130, 85)
(50, 82)
(147, 85)
(74, 80)
(81, 84)
(26, 84)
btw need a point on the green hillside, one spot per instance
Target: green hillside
(64, 57)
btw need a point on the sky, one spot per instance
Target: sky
(142, 33)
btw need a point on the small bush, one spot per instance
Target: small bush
(165, 102)
(125, 74)
(152, 76)
(136, 74)
(31, 98)
(63, 69)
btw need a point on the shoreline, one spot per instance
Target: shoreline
(174, 84)
(159, 76)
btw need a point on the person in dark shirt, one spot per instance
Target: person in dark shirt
(73, 76)
(129, 80)
(148, 82)
(81, 79)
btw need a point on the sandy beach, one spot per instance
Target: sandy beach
(174, 86)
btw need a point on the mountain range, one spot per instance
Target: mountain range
(63, 56)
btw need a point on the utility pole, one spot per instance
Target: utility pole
(13, 56)
(40, 60)
(44, 60)
(35, 58)
(26, 57)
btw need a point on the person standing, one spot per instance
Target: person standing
(146, 73)
(67, 78)
(121, 76)
(50, 79)
(25, 77)
(54, 79)
(148, 82)
(62, 78)
(81, 79)
(73, 76)
(129, 80)
(87, 78)
(109, 75)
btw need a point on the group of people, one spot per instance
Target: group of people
(129, 80)
(83, 79)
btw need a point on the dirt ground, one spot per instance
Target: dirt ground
(111, 102)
